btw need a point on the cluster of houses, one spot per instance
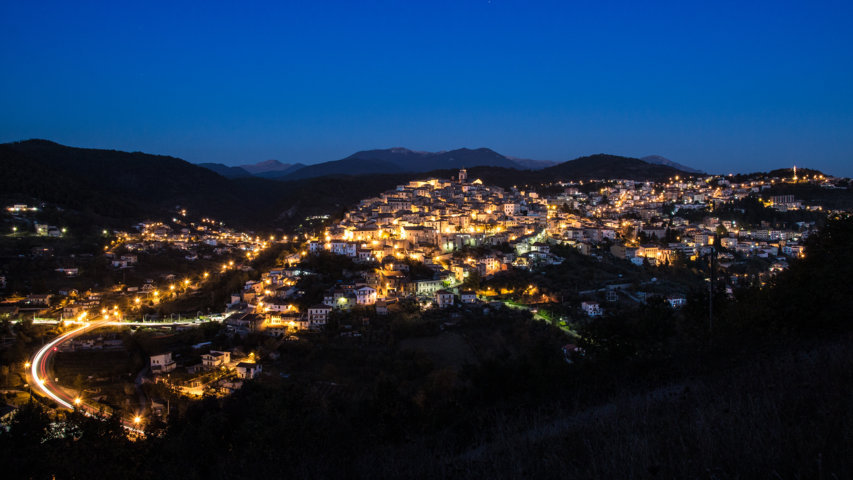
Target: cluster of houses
(426, 219)
(207, 239)
(628, 216)
(459, 228)
(212, 360)
(269, 305)
(219, 372)
(432, 221)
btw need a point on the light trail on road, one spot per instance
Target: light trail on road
(38, 366)
(38, 371)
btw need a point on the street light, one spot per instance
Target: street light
(137, 419)
(77, 401)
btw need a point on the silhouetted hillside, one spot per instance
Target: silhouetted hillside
(487, 163)
(529, 164)
(103, 180)
(344, 167)
(394, 160)
(225, 170)
(269, 169)
(120, 187)
(267, 166)
(611, 166)
(128, 186)
(276, 174)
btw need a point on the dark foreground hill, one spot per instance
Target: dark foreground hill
(118, 187)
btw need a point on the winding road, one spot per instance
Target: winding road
(38, 368)
(47, 387)
(40, 377)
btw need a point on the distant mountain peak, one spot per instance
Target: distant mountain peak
(532, 164)
(401, 159)
(659, 160)
(403, 150)
(388, 151)
(269, 163)
(266, 166)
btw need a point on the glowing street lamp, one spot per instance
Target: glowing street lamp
(77, 401)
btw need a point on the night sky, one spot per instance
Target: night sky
(727, 86)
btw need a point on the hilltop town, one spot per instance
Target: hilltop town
(428, 239)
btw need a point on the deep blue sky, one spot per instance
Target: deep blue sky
(728, 86)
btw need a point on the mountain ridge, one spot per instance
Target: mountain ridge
(225, 170)
(400, 159)
(379, 161)
(122, 185)
(271, 165)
